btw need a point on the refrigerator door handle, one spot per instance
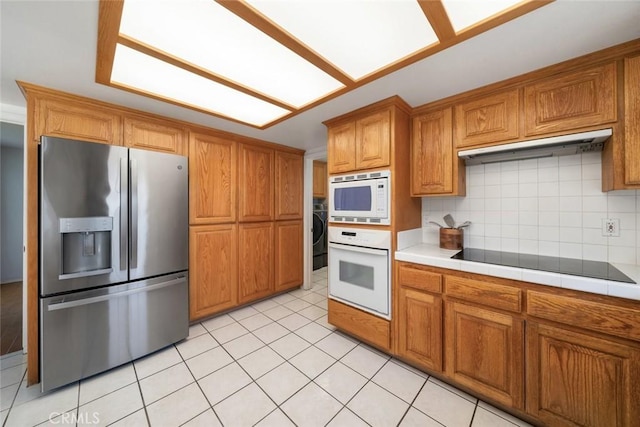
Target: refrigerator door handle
(134, 214)
(124, 211)
(92, 300)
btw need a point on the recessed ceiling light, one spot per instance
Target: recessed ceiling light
(465, 13)
(261, 61)
(203, 33)
(359, 37)
(136, 70)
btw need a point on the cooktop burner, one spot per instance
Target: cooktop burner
(576, 267)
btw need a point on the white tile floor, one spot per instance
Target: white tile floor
(275, 363)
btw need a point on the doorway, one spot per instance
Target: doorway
(320, 214)
(318, 154)
(11, 236)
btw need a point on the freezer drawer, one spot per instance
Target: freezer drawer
(85, 333)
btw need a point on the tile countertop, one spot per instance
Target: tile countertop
(432, 255)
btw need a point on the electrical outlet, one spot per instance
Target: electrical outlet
(611, 227)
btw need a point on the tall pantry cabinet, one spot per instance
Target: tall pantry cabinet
(246, 222)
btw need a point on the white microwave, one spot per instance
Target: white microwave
(360, 198)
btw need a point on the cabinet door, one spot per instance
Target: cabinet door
(632, 120)
(154, 135)
(289, 255)
(420, 337)
(571, 101)
(579, 380)
(320, 179)
(76, 120)
(289, 180)
(255, 273)
(213, 266)
(342, 148)
(373, 141)
(256, 183)
(432, 154)
(485, 351)
(490, 119)
(212, 180)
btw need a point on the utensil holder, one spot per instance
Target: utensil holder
(451, 238)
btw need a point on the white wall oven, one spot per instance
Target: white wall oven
(360, 268)
(360, 198)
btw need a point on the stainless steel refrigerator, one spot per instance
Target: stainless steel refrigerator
(113, 256)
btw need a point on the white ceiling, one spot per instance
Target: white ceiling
(53, 43)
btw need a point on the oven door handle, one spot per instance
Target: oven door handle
(361, 249)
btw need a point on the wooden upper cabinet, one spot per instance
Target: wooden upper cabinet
(571, 101)
(76, 120)
(212, 179)
(373, 140)
(320, 179)
(485, 351)
(341, 149)
(150, 134)
(493, 118)
(575, 379)
(213, 267)
(255, 170)
(255, 261)
(432, 154)
(289, 185)
(420, 328)
(632, 120)
(289, 255)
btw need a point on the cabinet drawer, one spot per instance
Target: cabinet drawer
(596, 316)
(486, 293)
(367, 327)
(414, 277)
(571, 101)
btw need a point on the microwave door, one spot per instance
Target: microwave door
(352, 200)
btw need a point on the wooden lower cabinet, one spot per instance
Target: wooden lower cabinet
(289, 254)
(420, 339)
(485, 352)
(574, 379)
(367, 327)
(255, 258)
(213, 266)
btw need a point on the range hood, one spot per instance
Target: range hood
(563, 145)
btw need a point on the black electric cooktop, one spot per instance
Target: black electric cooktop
(576, 267)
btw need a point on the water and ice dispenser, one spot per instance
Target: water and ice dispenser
(86, 246)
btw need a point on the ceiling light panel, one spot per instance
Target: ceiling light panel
(357, 36)
(206, 34)
(137, 70)
(465, 13)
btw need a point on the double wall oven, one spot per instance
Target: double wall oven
(360, 258)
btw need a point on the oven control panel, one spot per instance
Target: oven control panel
(380, 239)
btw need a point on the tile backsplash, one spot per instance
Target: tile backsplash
(551, 206)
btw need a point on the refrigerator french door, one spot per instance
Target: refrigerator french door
(113, 256)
